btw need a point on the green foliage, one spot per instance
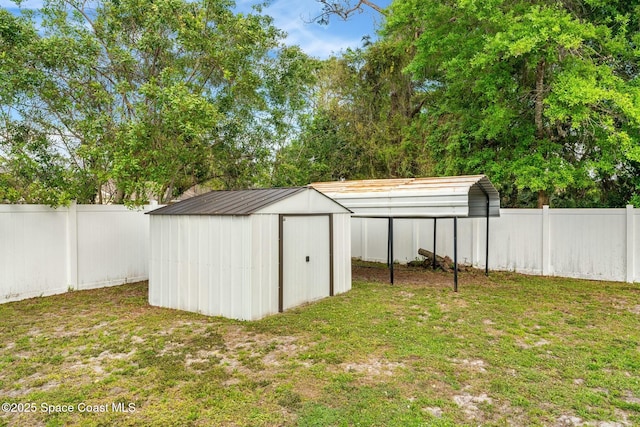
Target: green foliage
(126, 100)
(541, 96)
(37, 171)
(149, 99)
(363, 103)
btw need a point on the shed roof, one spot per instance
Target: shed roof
(457, 196)
(228, 202)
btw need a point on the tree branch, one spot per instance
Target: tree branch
(343, 9)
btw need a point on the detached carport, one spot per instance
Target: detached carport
(455, 197)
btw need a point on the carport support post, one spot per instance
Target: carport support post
(486, 256)
(391, 249)
(455, 254)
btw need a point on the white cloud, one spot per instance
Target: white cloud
(314, 39)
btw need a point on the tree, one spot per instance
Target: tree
(361, 107)
(543, 96)
(31, 170)
(154, 97)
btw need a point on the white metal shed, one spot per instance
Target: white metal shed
(470, 196)
(246, 254)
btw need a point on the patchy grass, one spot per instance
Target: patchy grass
(505, 350)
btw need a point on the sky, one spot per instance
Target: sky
(293, 17)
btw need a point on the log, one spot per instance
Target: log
(444, 263)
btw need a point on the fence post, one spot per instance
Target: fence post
(475, 242)
(631, 235)
(546, 242)
(72, 246)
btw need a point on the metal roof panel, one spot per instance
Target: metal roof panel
(429, 197)
(228, 202)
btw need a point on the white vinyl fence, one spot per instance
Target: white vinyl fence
(45, 251)
(600, 244)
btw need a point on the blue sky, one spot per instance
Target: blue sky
(321, 41)
(292, 16)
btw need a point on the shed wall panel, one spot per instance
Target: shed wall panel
(160, 268)
(341, 253)
(264, 267)
(202, 265)
(635, 245)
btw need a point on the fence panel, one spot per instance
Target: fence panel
(601, 244)
(45, 251)
(515, 241)
(588, 243)
(113, 246)
(32, 251)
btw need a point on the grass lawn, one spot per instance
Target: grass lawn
(505, 350)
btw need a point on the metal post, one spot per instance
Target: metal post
(455, 254)
(391, 249)
(435, 225)
(486, 256)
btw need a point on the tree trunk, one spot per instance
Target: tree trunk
(119, 196)
(543, 198)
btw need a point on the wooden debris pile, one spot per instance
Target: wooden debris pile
(443, 263)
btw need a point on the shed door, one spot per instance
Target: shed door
(306, 259)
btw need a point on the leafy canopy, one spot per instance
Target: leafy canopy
(142, 99)
(543, 96)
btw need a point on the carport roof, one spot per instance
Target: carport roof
(228, 202)
(454, 196)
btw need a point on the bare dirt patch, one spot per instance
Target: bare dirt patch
(34, 382)
(372, 367)
(470, 403)
(404, 275)
(477, 365)
(530, 343)
(243, 352)
(573, 421)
